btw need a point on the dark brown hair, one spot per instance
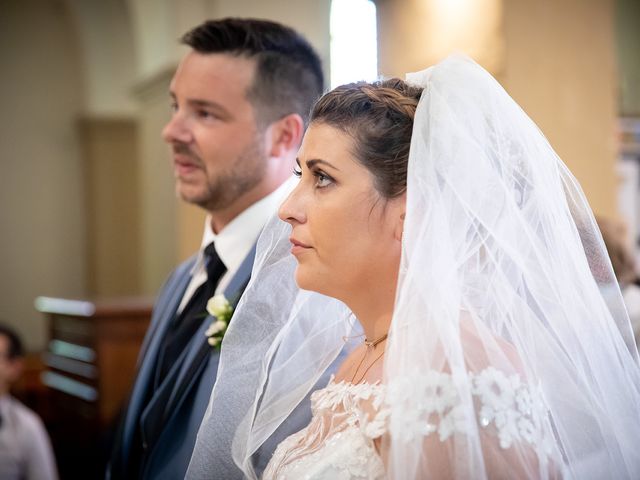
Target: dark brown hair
(15, 345)
(379, 118)
(288, 76)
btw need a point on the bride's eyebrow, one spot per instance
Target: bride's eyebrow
(315, 161)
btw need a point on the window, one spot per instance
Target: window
(354, 41)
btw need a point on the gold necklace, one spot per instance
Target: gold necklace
(369, 344)
(364, 374)
(373, 343)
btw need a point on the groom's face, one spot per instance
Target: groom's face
(219, 152)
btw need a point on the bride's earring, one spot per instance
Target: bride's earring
(399, 227)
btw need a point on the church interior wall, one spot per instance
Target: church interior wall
(561, 68)
(86, 87)
(42, 212)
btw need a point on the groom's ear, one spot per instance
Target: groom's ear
(285, 135)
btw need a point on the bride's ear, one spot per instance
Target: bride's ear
(399, 226)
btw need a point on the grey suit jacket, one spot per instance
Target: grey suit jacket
(184, 394)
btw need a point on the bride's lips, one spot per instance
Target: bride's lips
(298, 247)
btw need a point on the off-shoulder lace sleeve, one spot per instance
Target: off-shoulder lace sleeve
(504, 404)
(507, 412)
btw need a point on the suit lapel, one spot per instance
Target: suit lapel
(199, 350)
(166, 308)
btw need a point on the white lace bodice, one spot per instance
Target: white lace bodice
(339, 442)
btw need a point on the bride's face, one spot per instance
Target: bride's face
(345, 235)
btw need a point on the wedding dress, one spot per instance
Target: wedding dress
(340, 441)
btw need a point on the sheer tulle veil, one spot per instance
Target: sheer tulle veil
(504, 284)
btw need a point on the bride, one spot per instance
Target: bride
(495, 344)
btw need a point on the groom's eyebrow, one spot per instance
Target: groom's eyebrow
(315, 161)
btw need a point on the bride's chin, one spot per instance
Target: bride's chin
(302, 280)
(308, 280)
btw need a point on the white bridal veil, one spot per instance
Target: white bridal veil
(510, 353)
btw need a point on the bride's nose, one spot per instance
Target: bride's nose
(292, 210)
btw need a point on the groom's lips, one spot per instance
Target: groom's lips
(297, 247)
(184, 165)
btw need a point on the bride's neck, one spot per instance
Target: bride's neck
(373, 309)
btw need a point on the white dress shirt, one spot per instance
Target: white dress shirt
(25, 449)
(234, 242)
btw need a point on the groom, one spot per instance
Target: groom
(240, 100)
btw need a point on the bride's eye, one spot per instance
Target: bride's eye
(322, 179)
(297, 172)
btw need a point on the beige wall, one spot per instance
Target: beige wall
(158, 204)
(555, 58)
(414, 34)
(112, 205)
(628, 38)
(104, 37)
(42, 210)
(560, 67)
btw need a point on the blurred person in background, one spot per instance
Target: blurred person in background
(25, 449)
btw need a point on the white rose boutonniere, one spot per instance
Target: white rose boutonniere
(221, 309)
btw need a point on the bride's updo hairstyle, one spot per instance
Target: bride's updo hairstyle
(378, 117)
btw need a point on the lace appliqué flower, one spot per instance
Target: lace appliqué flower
(434, 406)
(507, 403)
(350, 398)
(338, 443)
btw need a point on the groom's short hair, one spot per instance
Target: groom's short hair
(15, 344)
(288, 76)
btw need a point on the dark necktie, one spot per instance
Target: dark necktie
(187, 323)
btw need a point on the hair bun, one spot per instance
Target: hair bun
(396, 95)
